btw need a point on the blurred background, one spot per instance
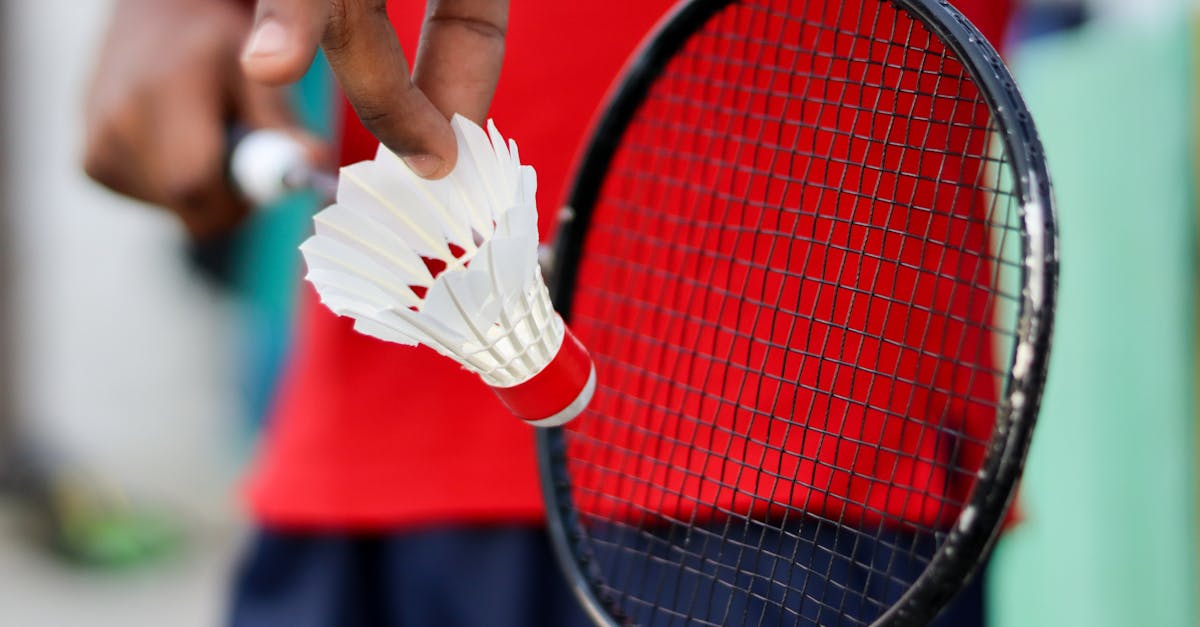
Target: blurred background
(134, 369)
(116, 381)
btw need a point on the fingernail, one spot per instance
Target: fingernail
(425, 166)
(268, 40)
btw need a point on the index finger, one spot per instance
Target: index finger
(365, 53)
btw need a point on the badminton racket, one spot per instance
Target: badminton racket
(813, 255)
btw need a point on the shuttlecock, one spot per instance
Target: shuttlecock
(452, 264)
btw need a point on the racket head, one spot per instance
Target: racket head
(1012, 176)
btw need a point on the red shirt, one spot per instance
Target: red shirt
(368, 434)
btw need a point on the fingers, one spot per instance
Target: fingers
(364, 52)
(458, 66)
(166, 149)
(166, 89)
(109, 149)
(183, 157)
(461, 52)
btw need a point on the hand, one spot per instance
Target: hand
(167, 88)
(457, 66)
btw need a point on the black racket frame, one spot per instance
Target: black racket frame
(972, 536)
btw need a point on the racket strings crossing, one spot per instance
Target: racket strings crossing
(800, 285)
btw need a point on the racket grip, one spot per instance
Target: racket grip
(267, 164)
(557, 394)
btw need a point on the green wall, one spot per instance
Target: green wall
(1109, 533)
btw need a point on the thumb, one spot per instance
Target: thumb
(284, 39)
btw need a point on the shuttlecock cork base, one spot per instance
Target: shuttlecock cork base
(561, 391)
(452, 264)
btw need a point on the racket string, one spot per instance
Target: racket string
(763, 422)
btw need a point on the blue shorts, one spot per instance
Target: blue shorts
(448, 577)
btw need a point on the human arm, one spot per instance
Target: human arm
(170, 82)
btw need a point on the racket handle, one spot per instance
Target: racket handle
(267, 164)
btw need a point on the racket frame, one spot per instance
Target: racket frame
(972, 536)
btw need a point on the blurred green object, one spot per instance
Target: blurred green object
(88, 525)
(79, 517)
(1109, 495)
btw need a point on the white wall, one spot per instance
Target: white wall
(122, 358)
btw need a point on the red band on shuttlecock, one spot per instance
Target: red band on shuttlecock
(559, 392)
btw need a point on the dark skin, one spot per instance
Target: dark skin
(174, 75)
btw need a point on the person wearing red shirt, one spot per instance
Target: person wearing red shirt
(392, 488)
